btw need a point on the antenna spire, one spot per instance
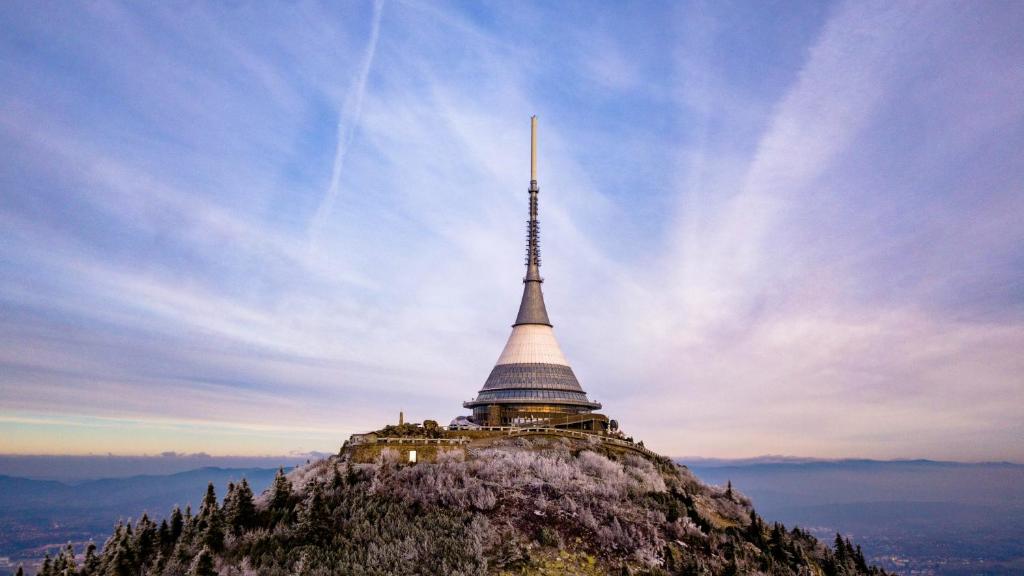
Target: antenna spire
(532, 309)
(533, 149)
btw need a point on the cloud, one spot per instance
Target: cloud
(348, 122)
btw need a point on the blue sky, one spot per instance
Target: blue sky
(768, 228)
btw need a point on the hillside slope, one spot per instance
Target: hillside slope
(542, 505)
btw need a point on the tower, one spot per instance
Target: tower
(532, 382)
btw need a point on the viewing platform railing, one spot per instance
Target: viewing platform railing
(424, 441)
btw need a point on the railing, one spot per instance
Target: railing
(424, 441)
(584, 435)
(509, 431)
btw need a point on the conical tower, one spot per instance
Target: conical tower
(532, 382)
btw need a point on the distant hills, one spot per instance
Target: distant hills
(41, 515)
(911, 516)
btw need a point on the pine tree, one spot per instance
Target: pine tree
(280, 508)
(47, 568)
(58, 563)
(118, 554)
(21, 571)
(146, 540)
(203, 564)
(177, 524)
(314, 520)
(842, 555)
(228, 509)
(209, 500)
(91, 564)
(282, 491)
(858, 559)
(245, 507)
(210, 523)
(351, 478)
(728, 490)
(163, 536)
(68, 566)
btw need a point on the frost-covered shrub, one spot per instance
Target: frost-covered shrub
(647, 477)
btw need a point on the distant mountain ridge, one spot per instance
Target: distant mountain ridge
(911, 516)
(40, 515)
(799, 460)
(80, 468)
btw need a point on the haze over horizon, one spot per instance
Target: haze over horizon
(766, 229)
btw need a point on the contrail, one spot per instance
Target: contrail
(348, 120)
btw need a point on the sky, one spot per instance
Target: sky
(768, 228)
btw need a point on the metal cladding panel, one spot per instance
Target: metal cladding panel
(532, 376)
(532, 309)
(532, 344)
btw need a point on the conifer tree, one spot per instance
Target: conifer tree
(245, 507)
(350, 474)
(280, 508)
(118, 554)
(177, 524)
(314, 521)
(203, 564)
(146, 540)
(858, 558)
(842, 555)
(163, 536)
(21, 571)
(91, 563)
(68, 566)
(210, 523)
(47, 568)
(282, 491)
(227, 510)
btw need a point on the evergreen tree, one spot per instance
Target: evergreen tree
(314, 519)
(47, 568)
(118, 554)
(755, 530)
(68, 566)
(245, 507)
(228, 509)
(280, 508)
(203, 564)
(841, 555)
(350, 474)
(728, 490)
(91, 564)
(858, 559)
(210, 523)
(281, 494)
(146, 540)
(163, 536)
(209, 504)
(177, 524)
(21, 571)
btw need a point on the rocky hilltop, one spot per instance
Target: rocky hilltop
(536, 504)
